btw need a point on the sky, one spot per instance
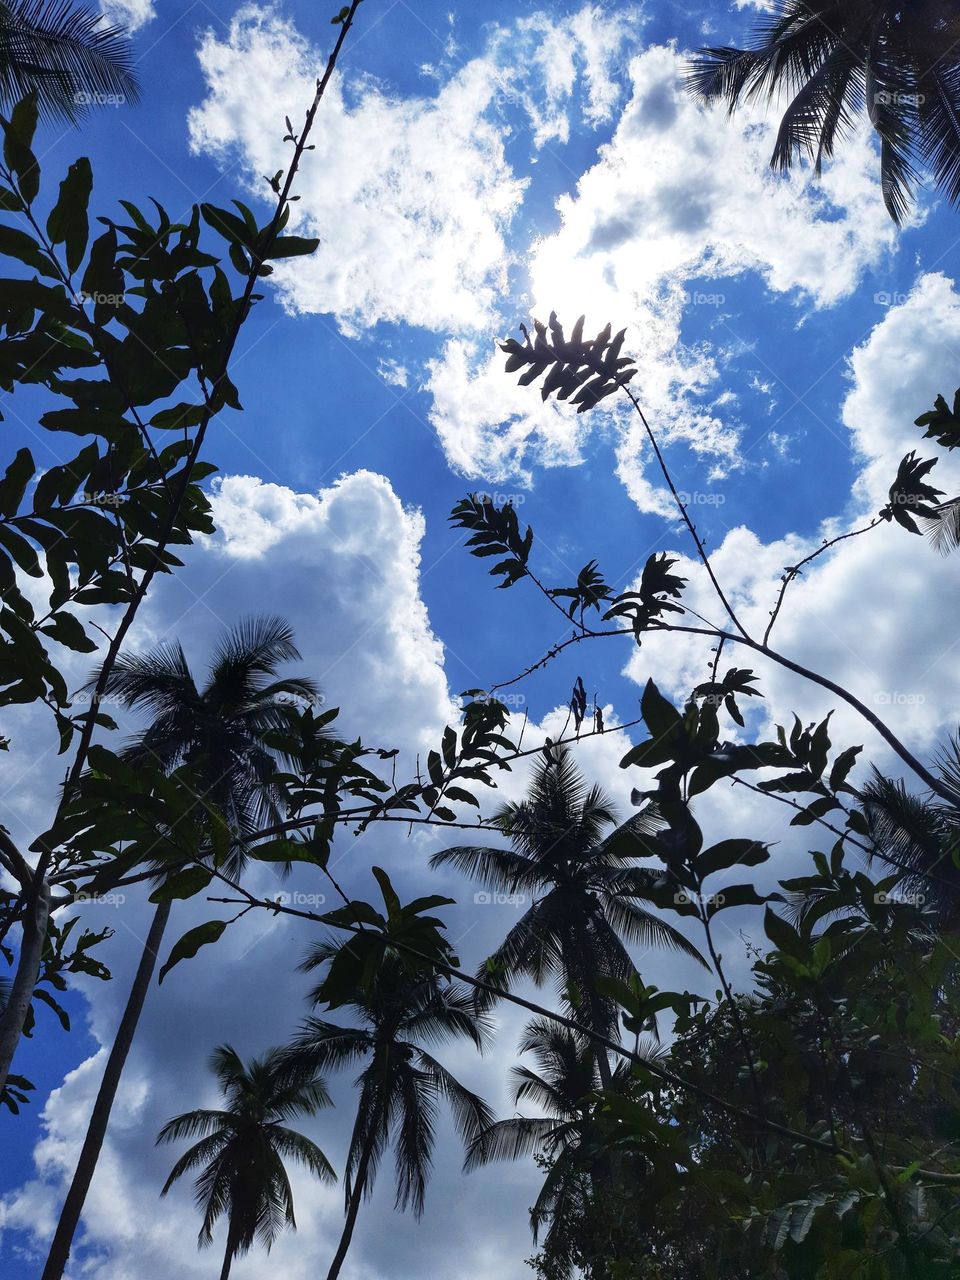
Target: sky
(476, 165)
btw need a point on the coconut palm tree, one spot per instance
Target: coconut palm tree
(64, 53)
(219, 729)
(568, 1143)
(400, 1082)
(563, 1137)
(583, 890)
(921, 833)
(242, 1149)
(836, 58)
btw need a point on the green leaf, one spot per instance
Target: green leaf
(15, 481)
(68, 223)
(659, 715)
(191, 942)
(291, 247)
(67, 630)
(18, 138)
(731, 853)
(733, 895)
(184, 884)
(782, 935)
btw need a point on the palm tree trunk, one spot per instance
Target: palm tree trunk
(228, 1256)
(34, 926)
(353, 1206)
(97, 1129)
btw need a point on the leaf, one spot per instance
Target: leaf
(15, 481)
(733, 895)
(291, 247)
(18, 138)
(659, 715)
(68, 223)
(781, 934)
(814, 811)
(184, 884)
(67, 630)
(841, 768)
(731, 853)
(191, 942)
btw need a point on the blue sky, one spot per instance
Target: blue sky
(474, 163)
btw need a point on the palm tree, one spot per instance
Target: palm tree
(568, 1143)
(584, 893)
(833, 58)
(400, 1082)
(219, 730)
(920, 835)
(563, 1137)
(65, 54)
(242, 1149)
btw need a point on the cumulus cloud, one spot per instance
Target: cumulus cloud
(409, 197)
(132, 14)
(679, 195)
(876, 613)
(544, 56)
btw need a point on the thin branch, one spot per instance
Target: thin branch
(794, 571)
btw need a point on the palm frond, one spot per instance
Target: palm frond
(509, 1140)
(939, 117)
(66, 54)
(498, 869)
(194, 1124)
(943, 531)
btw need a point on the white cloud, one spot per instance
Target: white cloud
(544, 57)
(393, 373)
(410, 197)
(132, 14)
(679, 194)
(875, 615)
